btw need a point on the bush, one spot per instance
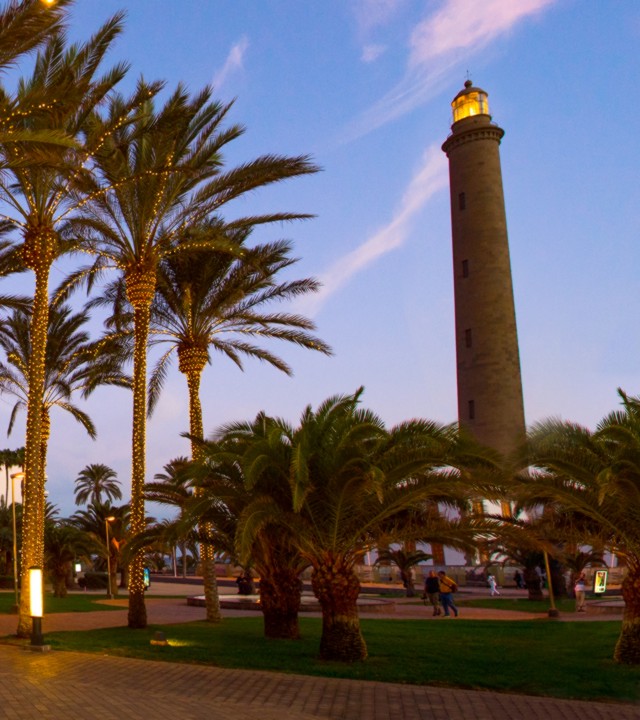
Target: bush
(94, 581)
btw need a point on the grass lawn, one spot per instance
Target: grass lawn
(540, 657)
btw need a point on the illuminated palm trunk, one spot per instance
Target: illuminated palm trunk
(191, 362)
(628, 645)
(39, 250)
(337, 587)
(140, 291)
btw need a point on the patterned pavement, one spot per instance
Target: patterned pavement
(89, 687)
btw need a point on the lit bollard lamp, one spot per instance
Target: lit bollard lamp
(36, 609)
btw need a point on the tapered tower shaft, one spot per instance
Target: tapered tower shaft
(490, 400)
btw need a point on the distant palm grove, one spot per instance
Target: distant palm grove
(131, 190)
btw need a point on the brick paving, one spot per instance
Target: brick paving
(91, 687)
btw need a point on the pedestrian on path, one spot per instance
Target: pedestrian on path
(493, 585)
(447, 587)
(432, 592)
(580, 589)
(519, 581)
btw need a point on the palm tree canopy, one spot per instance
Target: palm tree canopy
(592, 474)
(73, 364)
(345, 479)
(95, 481)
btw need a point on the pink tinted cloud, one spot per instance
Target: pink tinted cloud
(464, 24)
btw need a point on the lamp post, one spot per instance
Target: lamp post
(106, 529)
(36, 609)
(20, 476)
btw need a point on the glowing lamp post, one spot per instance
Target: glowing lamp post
(108, 520)
(36, 608)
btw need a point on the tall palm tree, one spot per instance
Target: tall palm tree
(73, 366)
(596, 475)
(10, 458)
(94, 481)
(57, 100)
(350, 481)
(166, 176)
(225, 499)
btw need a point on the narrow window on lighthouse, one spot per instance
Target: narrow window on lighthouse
(465, 268)
(467, 338)
(462, 201)
(472, 410)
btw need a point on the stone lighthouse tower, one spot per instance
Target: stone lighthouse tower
(490, 401)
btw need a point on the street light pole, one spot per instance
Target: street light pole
(106, 529)
(19, 475)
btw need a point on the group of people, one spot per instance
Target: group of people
(438, 590)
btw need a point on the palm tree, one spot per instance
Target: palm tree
(94, 481)
(161, 178)
(93, 521)
(172, 488)
(405, 560)
(350, 481)
(224, 503)
(209, 300)
(71, 367)
(56, 102)
(596, 475)
(10, 458)
(63, 544)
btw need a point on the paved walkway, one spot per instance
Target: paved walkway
(90, 687)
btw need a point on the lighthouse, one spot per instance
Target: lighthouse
(490, 403)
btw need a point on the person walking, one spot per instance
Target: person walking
(493, 585)
(519, 581)
(580, 589)
(432, 592)
(447, 587)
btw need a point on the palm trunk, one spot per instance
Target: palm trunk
(192, 361)
(38, 252)
(140, 286)
(337, 587)
(534, 584)
(280, 589)
(628, 645)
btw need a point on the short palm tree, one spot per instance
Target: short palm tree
(348, 478)
(172, 488)
(224, 502)
(94, 481)
(405, 560)
(596, 474)
(93, 522)
(160, 178)
(63, 545)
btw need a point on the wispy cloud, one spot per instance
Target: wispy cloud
(438, 43)
(372, 52)
(372, 13)
(430, 177)
(233, 62)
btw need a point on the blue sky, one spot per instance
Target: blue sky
(365, 87)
